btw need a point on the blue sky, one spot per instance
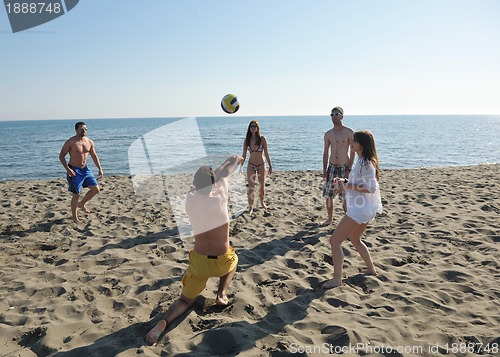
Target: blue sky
(165, 58)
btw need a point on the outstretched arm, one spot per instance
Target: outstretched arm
(227, 167)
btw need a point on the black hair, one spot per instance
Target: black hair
(79, 124)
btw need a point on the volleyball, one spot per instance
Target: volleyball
(230, 103)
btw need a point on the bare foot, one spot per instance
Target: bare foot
(369, 272)
(83, 207)
(263, 205)
(222, 300)
(250, 211)
(76, 220)
(327, 222)
(153, 335)
(332, 283)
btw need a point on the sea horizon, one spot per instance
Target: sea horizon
(29, 149)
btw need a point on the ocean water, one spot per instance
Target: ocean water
(30, 149)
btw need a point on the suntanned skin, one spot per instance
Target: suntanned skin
(205, 211)
(337, 151)
(348, 228)
(79, 147)
(257, 158)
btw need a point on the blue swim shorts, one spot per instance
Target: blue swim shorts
(83, 178)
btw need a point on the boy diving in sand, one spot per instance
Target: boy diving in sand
(212, 256)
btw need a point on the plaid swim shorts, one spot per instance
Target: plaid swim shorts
(332, 172)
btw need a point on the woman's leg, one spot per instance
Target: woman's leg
(251, 186)
(346, 226)
(363, 249)
(262, 172)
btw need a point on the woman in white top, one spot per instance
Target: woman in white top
(363, 202)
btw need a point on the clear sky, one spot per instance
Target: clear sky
(165, 58)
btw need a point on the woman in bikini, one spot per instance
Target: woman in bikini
(256, 145)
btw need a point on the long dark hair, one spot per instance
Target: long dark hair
(249, 134)
(367, 141)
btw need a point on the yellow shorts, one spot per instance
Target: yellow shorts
(201, 267)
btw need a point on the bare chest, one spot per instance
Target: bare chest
(81, 147)
(339, 137)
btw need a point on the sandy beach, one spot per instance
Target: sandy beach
(95, 289)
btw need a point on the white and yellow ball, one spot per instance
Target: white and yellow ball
(230, 103)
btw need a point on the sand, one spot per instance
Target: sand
(97, 288)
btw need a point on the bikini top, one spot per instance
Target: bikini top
(259, 149)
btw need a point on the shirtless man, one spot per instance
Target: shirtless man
(337, 158)
(212, 256)
(78, 173)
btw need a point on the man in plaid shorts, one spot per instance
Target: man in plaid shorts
(338, 158)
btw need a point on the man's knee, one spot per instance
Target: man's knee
(186, 300)
(231, 272)
(95, 189)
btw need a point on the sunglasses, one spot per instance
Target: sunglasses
(335, 114)
(253, 126)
